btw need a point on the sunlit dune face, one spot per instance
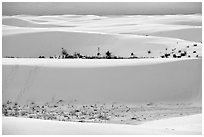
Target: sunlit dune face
(122, 35)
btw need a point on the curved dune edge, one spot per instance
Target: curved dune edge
(190, 125)
(87, 43)
(190, 34)
(87, 62)
(140, 24)
(110, 80)
(84, 20)
(17, 22)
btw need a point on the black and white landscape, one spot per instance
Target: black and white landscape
(81, 68)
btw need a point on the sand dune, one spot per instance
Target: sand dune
(46, 35)
(175, 81)
(192, 20)
(138, 29)
(135, 24)
(26, 23)
(191, 34)
(181, 125)
(50, 41)
(161, 82)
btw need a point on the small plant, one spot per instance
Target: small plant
(32, 103)
(149, 52)
(8, 102)
(133, 118)
(15, 103)
(60, 101)
(81, 121)
(108, 54)
(103, 117)
(64, 52)
(150, 104)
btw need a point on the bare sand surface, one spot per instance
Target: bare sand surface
(140, 96)
(122, 35)
(89, 81)
(67, 90)
(187, 125)
(48, 42)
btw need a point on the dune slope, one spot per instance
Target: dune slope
(50, 42)
(87, 82)
(46, 35)
(18, 22)
(22, 126)
(191, 34)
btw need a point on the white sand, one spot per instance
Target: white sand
(185, 34)
(24, 126)
(99, 81)
(50, 42)
(107, 23)
(46, 35)
(89, 81)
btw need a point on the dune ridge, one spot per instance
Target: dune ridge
(122, 45)
(135, 24)
(123, 91)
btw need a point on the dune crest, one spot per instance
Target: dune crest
(135, 24)
(86, 43)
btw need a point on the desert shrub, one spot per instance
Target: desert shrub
(108, 54)
(174, 55)
(4, 111)
(133, 118)
(103, 117)
(150, 104)
(81, 121)
(149, 52)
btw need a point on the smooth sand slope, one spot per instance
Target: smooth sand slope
(25, 23)
(134, 24)
(87, 81)
(22, 126)
(148, 89)
(122, 35)
(50, 42)
(185, 34)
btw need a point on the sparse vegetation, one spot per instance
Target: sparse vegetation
(174, 53)
(61, 111)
